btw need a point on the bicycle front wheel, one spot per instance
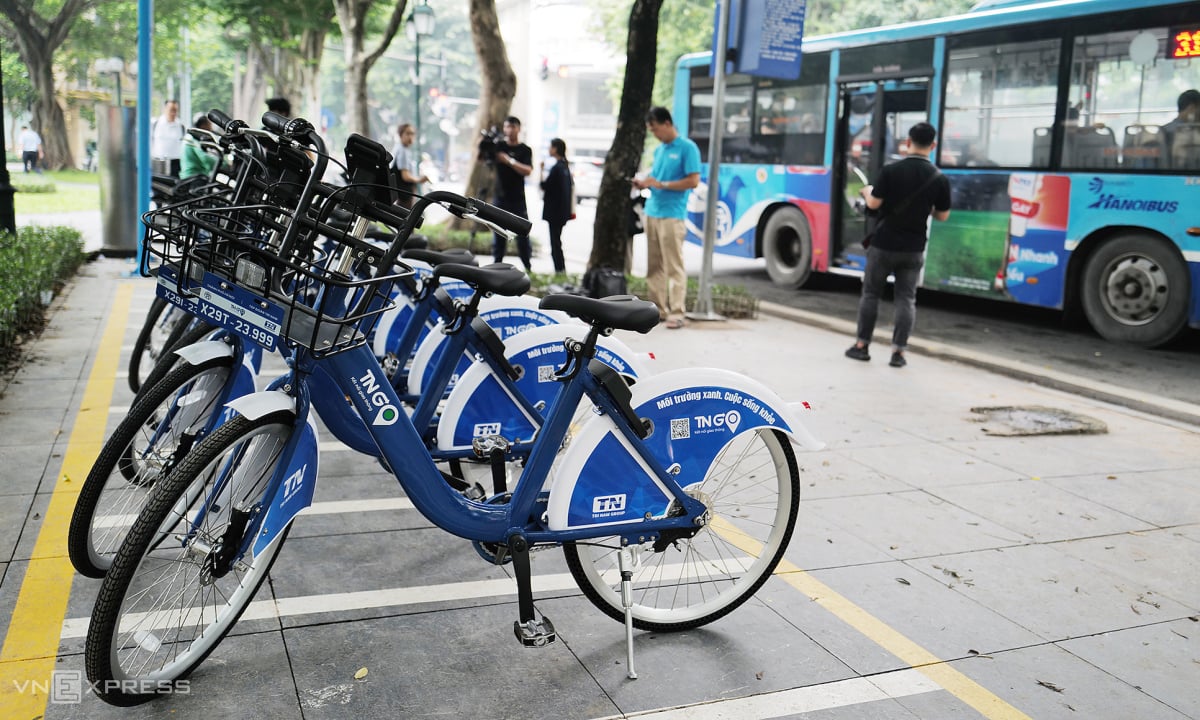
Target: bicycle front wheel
(153, 438)
(752, 490)
(170, 595)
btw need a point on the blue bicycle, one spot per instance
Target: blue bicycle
(673, 503)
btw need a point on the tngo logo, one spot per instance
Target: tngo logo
(730, 419)
(370, 392)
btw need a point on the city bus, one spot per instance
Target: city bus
(1075, 177)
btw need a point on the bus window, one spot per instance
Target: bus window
(1124, 94)
(1000, 101)
(790, 122)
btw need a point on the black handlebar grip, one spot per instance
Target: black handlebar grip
(503, 218)
(289, 127)
(275, 122)
(219, 118)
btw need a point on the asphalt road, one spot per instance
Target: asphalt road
(1031, 335)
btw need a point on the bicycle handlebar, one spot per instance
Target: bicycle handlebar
(492, 215)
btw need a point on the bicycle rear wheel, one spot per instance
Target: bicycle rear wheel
(161, 320)
(752, 491)
(152, 439)
(187, 332)
(169, 599)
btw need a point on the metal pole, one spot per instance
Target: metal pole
(704, 306)
(8, 219)
(417, 122)
(145, 55)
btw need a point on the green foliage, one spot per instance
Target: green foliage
(65, 198)
(441, 237)
(827, 16)
(34, 184)
(448, 63)
(33, 265)
(686, 26)
(731, 301)
(18, 91)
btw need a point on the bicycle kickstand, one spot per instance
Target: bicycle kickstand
(627, 604)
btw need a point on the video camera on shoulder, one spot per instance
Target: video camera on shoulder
(489, 144)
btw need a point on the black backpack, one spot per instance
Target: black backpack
(601, 282)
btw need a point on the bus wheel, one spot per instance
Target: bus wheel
(1135, 290)
(787, 247)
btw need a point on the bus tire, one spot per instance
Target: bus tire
(1135, 290)
(787, 247)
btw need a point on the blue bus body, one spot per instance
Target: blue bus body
(1074, 170)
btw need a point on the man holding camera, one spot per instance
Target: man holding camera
(513, 162)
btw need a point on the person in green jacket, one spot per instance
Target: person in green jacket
(195, 160)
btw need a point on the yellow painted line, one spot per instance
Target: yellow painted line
(30, 650)
(877, 631)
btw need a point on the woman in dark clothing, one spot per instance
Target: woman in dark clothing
(556, 200)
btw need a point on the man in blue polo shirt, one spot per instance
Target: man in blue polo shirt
(676, 170)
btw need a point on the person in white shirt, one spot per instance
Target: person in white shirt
(31, 149)
(166, 137)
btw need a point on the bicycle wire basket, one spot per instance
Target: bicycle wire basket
(309, 280)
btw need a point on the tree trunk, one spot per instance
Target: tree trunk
(248, 94)
(497, 88)
(308, 75)
(351, 15)
(610, 233)
(48, 119)
(37, 40)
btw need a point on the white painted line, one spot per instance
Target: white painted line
(843, 693)
(392, 597)
(74, 628)
(332, 507)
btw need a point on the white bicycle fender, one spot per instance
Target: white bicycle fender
(478, 404)
(694, 414)
(204, 351)
(260, 404)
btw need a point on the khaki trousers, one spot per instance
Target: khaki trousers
(666, 278)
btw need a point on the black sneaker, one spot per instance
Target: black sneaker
(858, 353)
(898, 360)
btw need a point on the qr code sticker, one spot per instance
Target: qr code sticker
(545, 373)
(681, 429)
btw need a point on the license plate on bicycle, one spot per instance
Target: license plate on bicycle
(221, 303)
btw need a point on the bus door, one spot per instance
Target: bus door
(873, 121)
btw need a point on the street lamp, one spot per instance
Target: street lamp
(114, 66)
(420, 24)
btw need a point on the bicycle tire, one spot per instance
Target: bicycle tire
(145, 348)
(725, 563)
(183, 625)
(186, 333)
(120, 481)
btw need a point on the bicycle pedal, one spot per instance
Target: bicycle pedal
(535, 633)
(483, 447)
(475, 492)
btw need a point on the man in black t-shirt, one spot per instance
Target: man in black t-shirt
(905, 193)
(514, 163)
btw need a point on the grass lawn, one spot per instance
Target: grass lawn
(75, 190)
